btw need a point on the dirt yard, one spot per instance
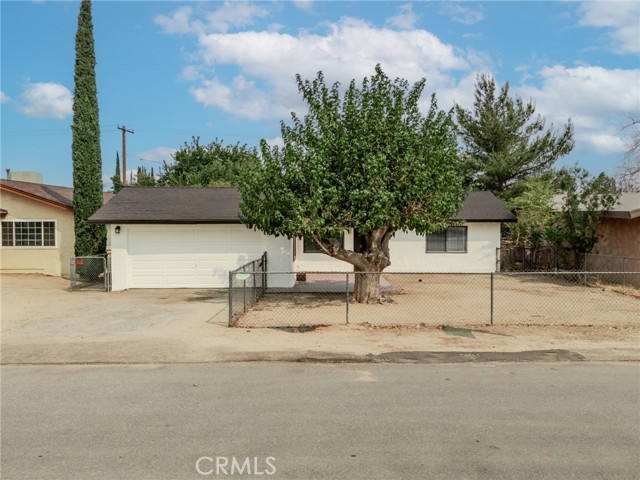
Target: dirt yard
(43, 322)
(460, 300)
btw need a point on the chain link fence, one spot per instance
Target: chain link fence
(89, 273)
(247, 285)
(430, 299)
(613, 263)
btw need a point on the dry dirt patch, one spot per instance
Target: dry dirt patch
(43, 322)
(456, 299)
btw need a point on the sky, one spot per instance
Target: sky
(173, 70)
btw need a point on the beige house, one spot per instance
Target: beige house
(37, 228)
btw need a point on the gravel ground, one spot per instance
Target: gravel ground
(43, 322)
(460, 300)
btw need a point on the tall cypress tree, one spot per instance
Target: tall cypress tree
(85, 149)
(117, 177)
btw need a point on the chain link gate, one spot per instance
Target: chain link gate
(90, 273)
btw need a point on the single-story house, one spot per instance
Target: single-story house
(37, 228)
(192, 237)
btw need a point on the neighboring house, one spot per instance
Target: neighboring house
(192, 237)
(37, 228)
(619, 229)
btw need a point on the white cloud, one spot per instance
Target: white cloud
(156, 155)
(229, 15)
(4, 98)
(461, 14)
(235, 14)
(622, 18)
(596, 99)
(405, 19)
(268, 61)
(179, 22)
(47, 100)
(305, 5)
(275, 142)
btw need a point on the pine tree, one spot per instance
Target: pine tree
(85, 150)
(505, 142)
(117, 178)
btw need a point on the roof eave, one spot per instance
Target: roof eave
(164, 222)
(37, 198)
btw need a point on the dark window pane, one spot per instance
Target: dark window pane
(49, 234)
(7, 234)
(457, 239)
(309, 246)
(436, 242)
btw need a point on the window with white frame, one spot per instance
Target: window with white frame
(28, 233)
(452, 240)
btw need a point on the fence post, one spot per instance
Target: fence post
(244, 295)
(491, 298)
(264, 271)
(347, 296)
(624, 275)
(231, 299)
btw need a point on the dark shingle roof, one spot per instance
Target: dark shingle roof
(222, 205)
(171, 205)
(61, 196)
(484, 207)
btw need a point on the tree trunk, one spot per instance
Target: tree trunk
(368, 264)
(366, 287)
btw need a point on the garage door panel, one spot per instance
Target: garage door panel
(176, 279)
(185, 257)
(187, 264)
(147, 264)
(213, 237)
(247, 248)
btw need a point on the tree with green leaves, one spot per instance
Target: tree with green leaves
(367, 161)
(504, 143)
(215, 164)
(144, 178)
(85, 149)
(535, 209)
(584, 199)
(116, 180)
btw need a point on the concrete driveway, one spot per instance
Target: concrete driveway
(43, 322)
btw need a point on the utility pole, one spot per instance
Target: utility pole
(124, 152)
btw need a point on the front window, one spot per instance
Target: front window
(309, 246)
(30, 233)
(452, 240)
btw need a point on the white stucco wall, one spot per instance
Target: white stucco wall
(408, 252)
(45, 260)
(319, 262)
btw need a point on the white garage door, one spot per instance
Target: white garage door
(189, 256)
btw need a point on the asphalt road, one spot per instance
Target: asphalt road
(306, 421)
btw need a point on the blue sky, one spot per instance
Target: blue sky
(172, 70)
